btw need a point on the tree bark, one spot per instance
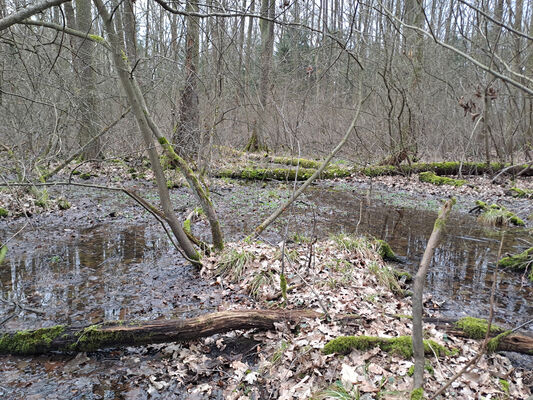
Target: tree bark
(418, 290)
(121, 333)
(187, 137)
(130, 33)
(87, 82)
(268, 7)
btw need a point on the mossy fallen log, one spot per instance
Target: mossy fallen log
(294, 161)
(476, 328)
(120, 333)
(307, 168)
(281, 174)
(445, 168)
(431, 177)
(401, 346)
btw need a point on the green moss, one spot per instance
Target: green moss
(187, 226)
(494, 343)
(504, 385)
(263, 173)
(522, 193)
(380, 170)
(94, 337)
(163, 141)
(401, 345)
(63, 204)
(85, 176)
(3, 212)
(518, 262)
(3, 252)
(430, 177)
(29, 342)
(428, 367)
(97, 38)
(417, 394)
(497, 215)
(385, 251)
(302, 162)
(476, 328)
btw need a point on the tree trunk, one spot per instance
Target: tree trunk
(121, 333)
(187, 137)
(130, 33)
(268, 8)
(87, 82)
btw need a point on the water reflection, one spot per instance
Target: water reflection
(101, 274)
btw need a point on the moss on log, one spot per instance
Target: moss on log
(121, 333)
(521, 193)
(401, 345)
(431, 177)
(281, 174)
(475, 328)
(445, 168)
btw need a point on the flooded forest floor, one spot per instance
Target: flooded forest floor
(105, 258)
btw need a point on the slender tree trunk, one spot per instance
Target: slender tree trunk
(87, 101)
(130, 31)
(187, 136)
(268, 9)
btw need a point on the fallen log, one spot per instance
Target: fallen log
(516, 342)
(122, 333)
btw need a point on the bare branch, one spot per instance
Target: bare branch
(27, 12)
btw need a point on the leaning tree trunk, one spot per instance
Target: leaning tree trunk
(149, 128)
(129, 85)
(418, 290)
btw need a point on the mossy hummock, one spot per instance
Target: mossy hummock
(519, 262)
(401, 345)
(497, 215)
(520, 193)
